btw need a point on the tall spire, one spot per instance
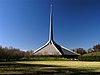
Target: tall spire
(51, 27)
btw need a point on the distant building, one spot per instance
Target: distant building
(51, 48)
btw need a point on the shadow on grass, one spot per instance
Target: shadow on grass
(41, 69)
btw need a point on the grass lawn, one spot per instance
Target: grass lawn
(50, 68)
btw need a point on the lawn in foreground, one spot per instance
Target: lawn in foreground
(50, 67)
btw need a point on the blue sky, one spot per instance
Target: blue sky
(24, 24)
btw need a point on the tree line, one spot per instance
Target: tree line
(7, 54)
(10, 53)
(82, 51)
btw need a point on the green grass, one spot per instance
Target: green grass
(44, 59)
(50, 68)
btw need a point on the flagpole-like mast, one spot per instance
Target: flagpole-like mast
(51, 27)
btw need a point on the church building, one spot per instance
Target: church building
(51, 48)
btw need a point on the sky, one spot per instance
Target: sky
(24, 24)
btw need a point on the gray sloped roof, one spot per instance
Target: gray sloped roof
(48, 49)
(64, 51)
(52, 48)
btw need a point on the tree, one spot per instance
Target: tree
(0, 47)
(97, 48)
(29, 53)
(90, 50)
(80, 51)
(11, 53)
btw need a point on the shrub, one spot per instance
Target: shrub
(90, 57)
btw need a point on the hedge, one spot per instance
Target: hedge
(90, 57)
